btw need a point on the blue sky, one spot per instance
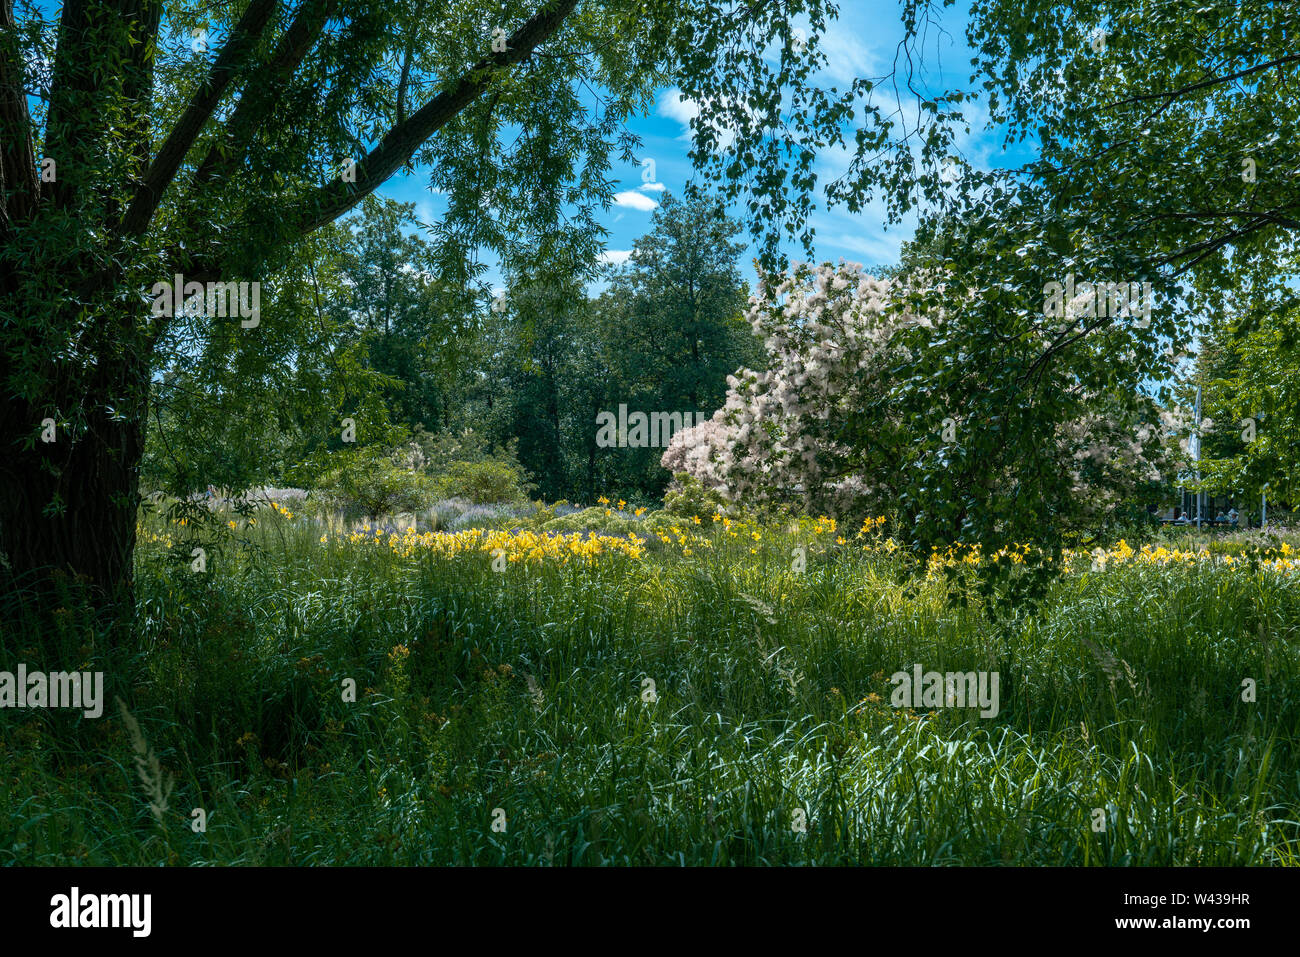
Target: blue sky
(862, 42)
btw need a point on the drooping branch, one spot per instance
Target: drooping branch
(400, 143)
(243, 38)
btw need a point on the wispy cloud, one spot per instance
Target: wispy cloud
(674, 106)
(874, 249)
(847, 57)
(682, 109)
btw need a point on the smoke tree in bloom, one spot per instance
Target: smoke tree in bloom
(812, 427)
(841, 422)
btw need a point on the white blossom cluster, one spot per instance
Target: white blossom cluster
(826, 330)
(808, 427)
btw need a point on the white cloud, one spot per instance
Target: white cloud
(652, 187)
(634, 200)
(616, 257)
(847, 57)
(674, 106)
(875, 249)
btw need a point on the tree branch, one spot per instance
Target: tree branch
(69, 78)
(1209, 81)
(233, 54)
(259, 93)
(400, 143)
(1269, 215)
(406, 67)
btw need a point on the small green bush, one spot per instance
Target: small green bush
(594, 519)
(688, 498)
(368, 483)
(465, 465)
(483, 483)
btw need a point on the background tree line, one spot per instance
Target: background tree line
(527, 371)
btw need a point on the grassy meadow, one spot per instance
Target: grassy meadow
(688, 693)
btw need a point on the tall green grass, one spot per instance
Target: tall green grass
(525, 691)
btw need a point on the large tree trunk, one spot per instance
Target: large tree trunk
(68, 507)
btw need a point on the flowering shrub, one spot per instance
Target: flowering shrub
(799, 428)
(825, 427)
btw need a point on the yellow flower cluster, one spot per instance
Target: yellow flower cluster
(516, 546)
(1122, 553)
(277, 507)
(142, 534)
(687, 541)
(959, 554)
(824, 526)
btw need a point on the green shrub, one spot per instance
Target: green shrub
(483, 483)
(595, 519)
(368, 483)
(465, 465)
(688, 498)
